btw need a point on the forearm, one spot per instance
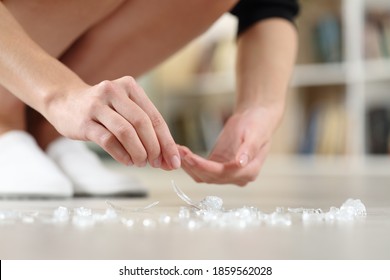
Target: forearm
(26, 69)
(265, 59)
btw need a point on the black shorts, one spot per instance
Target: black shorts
(249, 12)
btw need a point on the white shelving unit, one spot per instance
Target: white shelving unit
(350, 73)
(354, 72)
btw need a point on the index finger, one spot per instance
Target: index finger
(168, 147)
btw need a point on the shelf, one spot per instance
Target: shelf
(377, 4)
(377, 70)
(335, 73)
(304, 75)
(319, 75)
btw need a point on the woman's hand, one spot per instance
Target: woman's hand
(240, 150)
(119, 117)
(265, 58)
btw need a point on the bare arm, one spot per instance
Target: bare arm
(266, 56)
(27, 70)
(265, 59)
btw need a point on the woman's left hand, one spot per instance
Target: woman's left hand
(240, 150)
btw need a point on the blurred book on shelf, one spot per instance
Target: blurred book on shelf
(332, 137)
(320, 32)
(377, 34)
(327, 38)
(378, 129)
(326, 124)
(325, 131)
(198, 128)
(311, 133)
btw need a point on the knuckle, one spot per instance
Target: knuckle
(88, 129)
(169, 146)
(139, 158)
(122, 131)
(242, 184)
(107, 90)
(106, 86)
(129, 80)
(140, 121)
(93, 107)
(157, 121)
(212, 181)
(197, 180)
(122, 157)
(250, 178)
(245, 180)
(130, 84)
(105, 140)
(154, 151)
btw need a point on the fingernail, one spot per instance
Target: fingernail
(157, 162)
(244, 158)
(128, 161)
(175, 161)
(190, 161)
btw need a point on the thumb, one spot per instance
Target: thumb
(248, 150)
(242, 157)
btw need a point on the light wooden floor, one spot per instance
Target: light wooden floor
(283, 183)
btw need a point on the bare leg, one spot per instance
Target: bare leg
(43, 131)
(12, 112)
(140, 35)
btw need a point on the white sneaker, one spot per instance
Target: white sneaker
(25, 170)
(87, 172)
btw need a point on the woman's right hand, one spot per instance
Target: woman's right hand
(118, 116)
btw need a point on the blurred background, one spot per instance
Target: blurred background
(339, 99)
